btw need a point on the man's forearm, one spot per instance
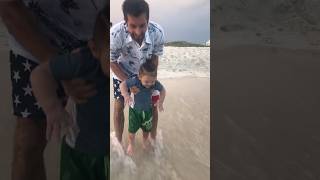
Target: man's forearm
(22, 25)
(118, 72)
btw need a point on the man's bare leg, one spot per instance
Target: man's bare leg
(29, 145)
(153, 133)
(118, 118)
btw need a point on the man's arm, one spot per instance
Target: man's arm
(162, 95)
(23, 26)
(118, 71)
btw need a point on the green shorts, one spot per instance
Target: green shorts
(75, 165)
(140, 119)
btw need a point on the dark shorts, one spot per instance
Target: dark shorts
(23, 101)
(116, 88)
(140, 119)
(76, 165)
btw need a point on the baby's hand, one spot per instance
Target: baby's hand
(134, 90)
(159, 106)
(128, 100)
(58, 120)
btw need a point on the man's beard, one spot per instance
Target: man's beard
(140, 38)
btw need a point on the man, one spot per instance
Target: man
(38, 30)
(132, 41)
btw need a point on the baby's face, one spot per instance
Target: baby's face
(147, 81)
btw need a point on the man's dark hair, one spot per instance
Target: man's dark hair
(148, 68)
(135, 8)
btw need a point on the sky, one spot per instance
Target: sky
(182, 20)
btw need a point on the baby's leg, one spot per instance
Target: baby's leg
(146, 142)
(131, 144)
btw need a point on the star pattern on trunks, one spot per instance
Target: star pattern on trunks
(27, 90)
(27, 66)
(16, 100)
(25, 113)
(16, 76)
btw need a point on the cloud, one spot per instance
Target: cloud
(181, 19)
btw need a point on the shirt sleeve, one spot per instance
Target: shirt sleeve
(132, 82)
(115, 43)
(158, 42)
(158, 86)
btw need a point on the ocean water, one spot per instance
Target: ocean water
(185, 61)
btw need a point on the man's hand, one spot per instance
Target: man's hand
(79, 90)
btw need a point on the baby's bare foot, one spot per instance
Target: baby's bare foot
(146, 144)
(130, 150)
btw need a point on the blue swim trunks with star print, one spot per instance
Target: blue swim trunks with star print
(24, 102)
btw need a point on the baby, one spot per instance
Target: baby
(140, 101)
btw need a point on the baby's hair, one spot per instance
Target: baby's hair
(148, 68)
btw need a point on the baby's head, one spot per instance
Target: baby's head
(148, 74)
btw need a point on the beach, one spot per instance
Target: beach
(266, 90)
(183, 149)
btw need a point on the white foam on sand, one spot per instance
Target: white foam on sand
(184, 61)
(143, 165)
(120, 163)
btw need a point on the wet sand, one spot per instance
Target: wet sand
(183, 149)
(266, 113)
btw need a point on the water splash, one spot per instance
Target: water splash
(142, 165)
(120, 163)
(157, 146)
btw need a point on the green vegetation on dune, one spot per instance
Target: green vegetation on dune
(183, 44)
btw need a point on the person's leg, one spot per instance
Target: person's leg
(146, 126)
(133, 127)
(145, 141)
(153, 133)
(29, 137)
(76, 165)
(118, 118)
(118, 114)
(29, 145)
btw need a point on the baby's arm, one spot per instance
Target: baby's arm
(161, 98)
(44, 87)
